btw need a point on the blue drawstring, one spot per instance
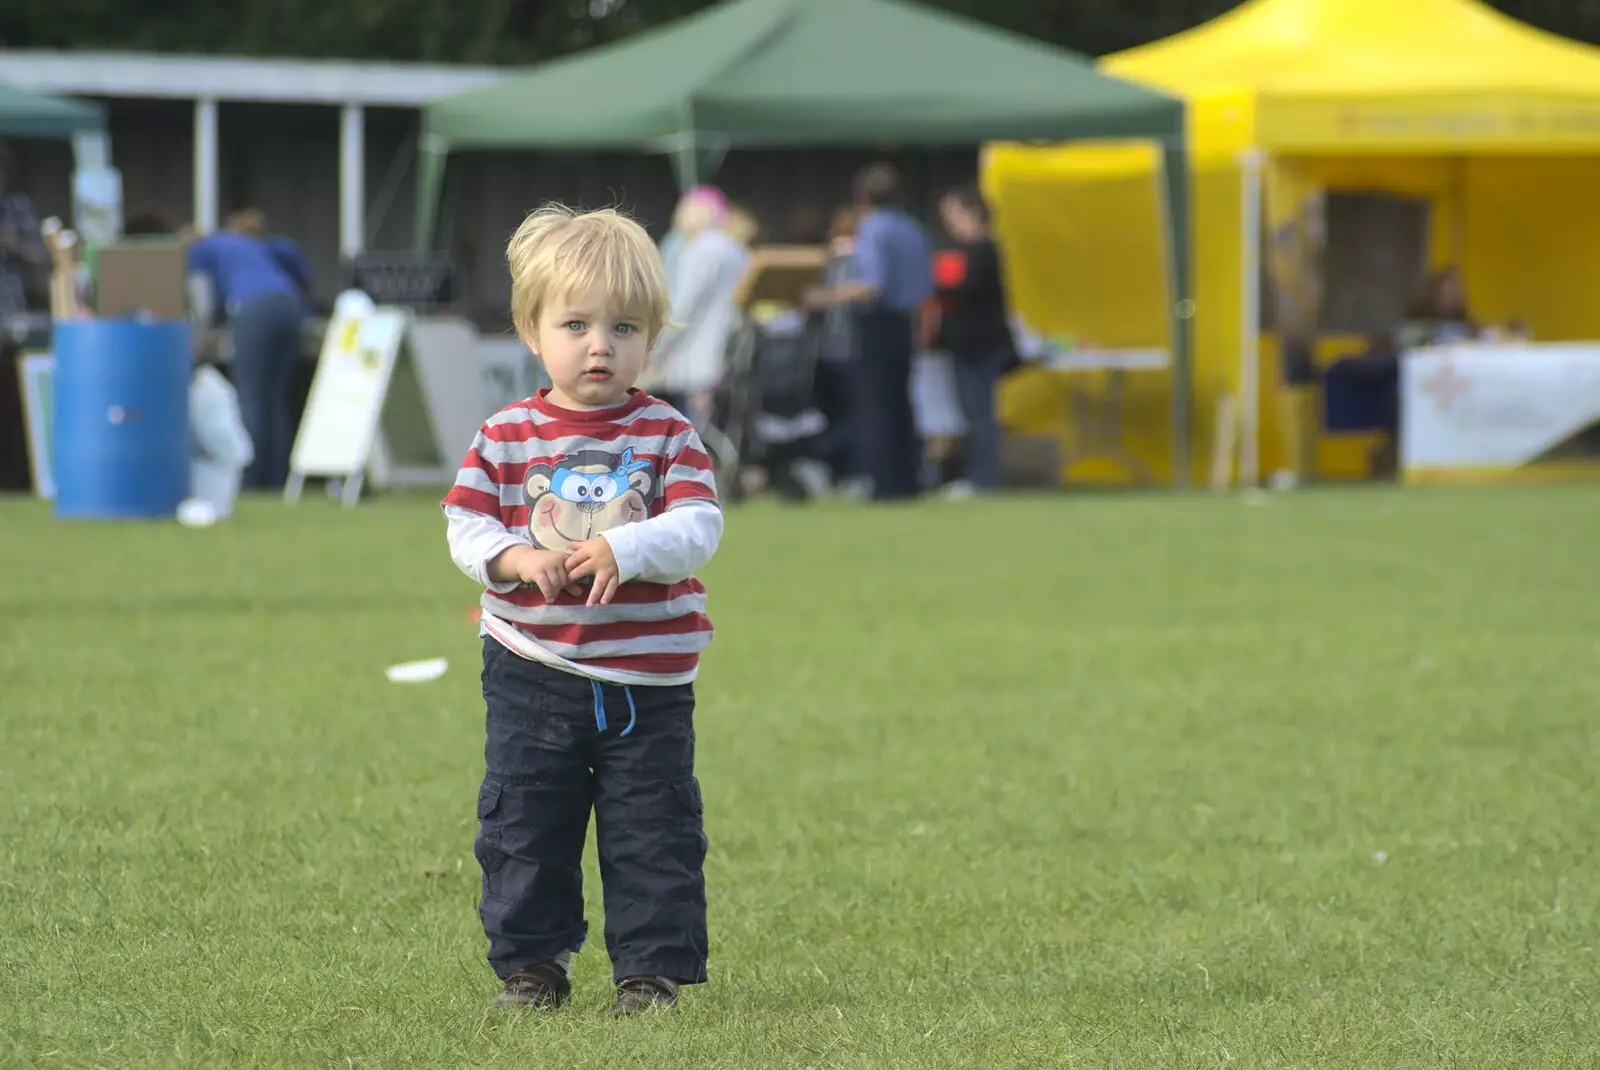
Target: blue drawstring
(600, 708)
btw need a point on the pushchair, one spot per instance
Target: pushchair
(766, 414)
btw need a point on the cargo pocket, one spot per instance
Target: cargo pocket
(486, 848)
(689, 798)
(692, 807)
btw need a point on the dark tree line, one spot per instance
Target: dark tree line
(515, 32)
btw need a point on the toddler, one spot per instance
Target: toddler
(584, 512)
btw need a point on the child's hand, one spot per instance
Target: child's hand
(545, 569)
(594, 558)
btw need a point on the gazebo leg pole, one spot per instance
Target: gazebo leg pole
(1251, 162)
(205, 164)
(1175, 163)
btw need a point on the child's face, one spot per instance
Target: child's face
(592, 351)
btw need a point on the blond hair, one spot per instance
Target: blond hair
(558, 251)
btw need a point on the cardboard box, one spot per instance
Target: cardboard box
(147, 279)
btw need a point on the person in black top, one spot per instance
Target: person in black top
(975, 329)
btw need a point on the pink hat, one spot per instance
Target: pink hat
(710, 195)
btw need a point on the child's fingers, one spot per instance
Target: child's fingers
(604, 587)
(558, 579)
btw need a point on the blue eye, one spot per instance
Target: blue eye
(626, 328)
(575, 325)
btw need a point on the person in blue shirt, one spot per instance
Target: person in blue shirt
(261, 284)
(891, 278)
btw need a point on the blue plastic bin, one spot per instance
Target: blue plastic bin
(121, 428)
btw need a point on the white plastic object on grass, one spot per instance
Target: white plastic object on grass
(417, 672)
(196, 513)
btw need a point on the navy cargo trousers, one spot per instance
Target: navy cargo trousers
(560, 745)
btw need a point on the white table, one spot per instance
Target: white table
(1486, 413)
(1097, 414)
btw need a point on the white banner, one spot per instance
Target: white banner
(340, 423)
(1495, 407)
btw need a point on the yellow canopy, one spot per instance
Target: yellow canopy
(1495, 126)
(1383, 76)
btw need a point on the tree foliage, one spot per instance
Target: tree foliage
(513, 32)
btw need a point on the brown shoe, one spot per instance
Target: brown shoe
(544, 986)
(637, 994)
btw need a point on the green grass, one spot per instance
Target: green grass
(1067, 781)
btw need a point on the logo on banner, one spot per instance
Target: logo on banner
(1445, 386)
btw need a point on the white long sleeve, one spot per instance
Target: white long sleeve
(475, 540)
(667, 548)
(663, 549)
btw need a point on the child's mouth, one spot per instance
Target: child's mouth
(597, 375)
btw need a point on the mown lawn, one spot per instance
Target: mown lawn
(1144, 782)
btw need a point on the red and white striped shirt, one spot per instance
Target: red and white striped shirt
(550, 477)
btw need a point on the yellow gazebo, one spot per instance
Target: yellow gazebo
(1493, 126)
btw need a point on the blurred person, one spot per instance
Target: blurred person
(839, 340)
(1439, 316)
(1296, 304)
(935, 404)
(1292, 270)
(1298, 414)
(742, 226)
(24, 264)
(260, 285)
(975, 329)
(584, 512)
(220, 445)
(690, 359)
(836, 353)
(891, 278)
(688, 215)
(23, 256)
